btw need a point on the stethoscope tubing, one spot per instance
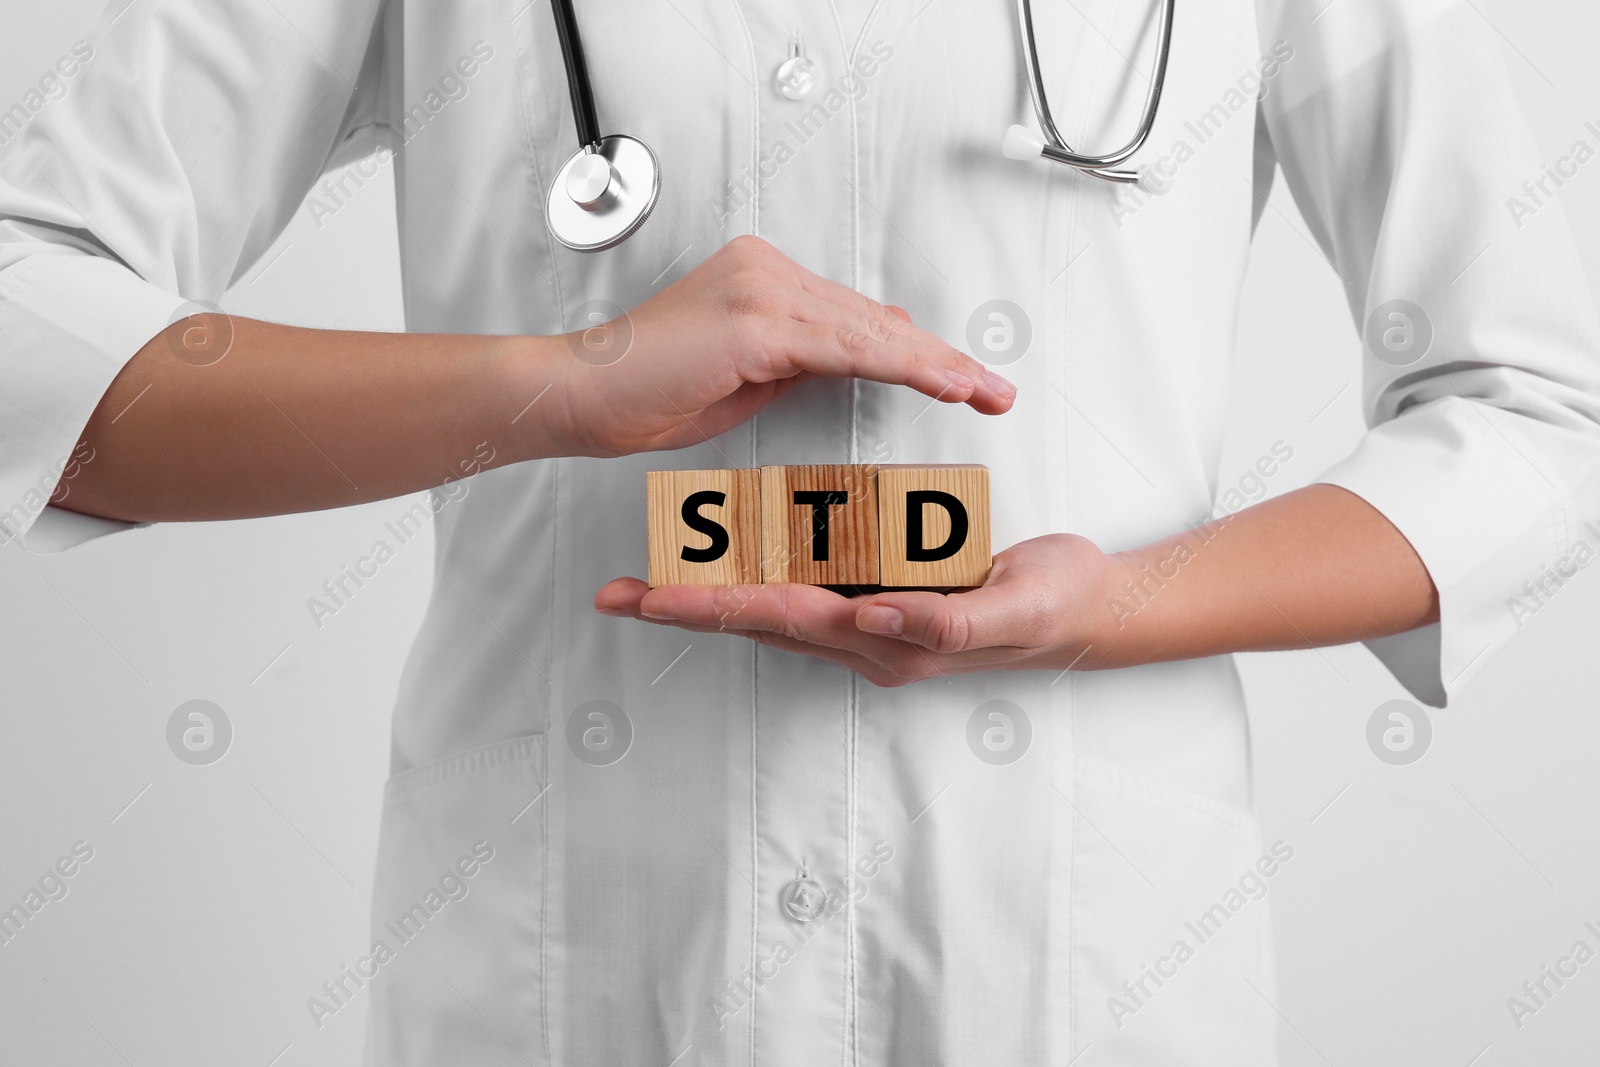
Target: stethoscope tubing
(579, 86)
(1105, 166)
(1056, 148)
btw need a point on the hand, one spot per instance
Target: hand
(715, 347)
(1044, 607)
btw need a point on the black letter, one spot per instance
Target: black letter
(819, 501)
(915, 498)
(710, 527)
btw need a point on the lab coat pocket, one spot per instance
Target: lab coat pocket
(457, 920)
(1171, 957)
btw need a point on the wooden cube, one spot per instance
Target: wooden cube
(933, 526)
(901, 526)
(819, 524)
(704, 527)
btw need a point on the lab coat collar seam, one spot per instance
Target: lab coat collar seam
(838, 31)
(866, 27)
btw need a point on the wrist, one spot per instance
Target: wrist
(1108, 627)
(536, 396)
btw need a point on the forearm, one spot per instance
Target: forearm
(1318, 566)
(293, 420)
(296, 420)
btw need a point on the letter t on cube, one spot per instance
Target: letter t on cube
(819, 524)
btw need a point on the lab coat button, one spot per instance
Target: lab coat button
(797, 75)
(803, 898)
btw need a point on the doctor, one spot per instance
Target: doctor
(904, 829)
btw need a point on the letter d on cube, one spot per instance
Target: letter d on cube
(933, 526)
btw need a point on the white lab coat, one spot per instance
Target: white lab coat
(634, 912)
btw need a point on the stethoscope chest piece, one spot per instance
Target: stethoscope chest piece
(602, 195)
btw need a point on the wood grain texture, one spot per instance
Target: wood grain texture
(670, 535)
(788, 545)
(969, 566)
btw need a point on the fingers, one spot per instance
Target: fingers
(709, 612)
(804, 612)
(804, 619)
(861, 306)
(868, 333)
(620, 596)
(800, 612)
(932, 368)
(804, 323)
(993, 617)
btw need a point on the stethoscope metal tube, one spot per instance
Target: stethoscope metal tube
(1021, 143)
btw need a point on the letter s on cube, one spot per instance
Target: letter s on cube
(705, 527)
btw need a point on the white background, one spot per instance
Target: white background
(1418, 900)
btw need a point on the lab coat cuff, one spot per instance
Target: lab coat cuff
(68, 324)
(1487, 515)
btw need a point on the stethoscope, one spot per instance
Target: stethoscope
(1022, 143)
(604, 193)
(608, 188)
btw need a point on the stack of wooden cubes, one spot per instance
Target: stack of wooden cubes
(892, 526)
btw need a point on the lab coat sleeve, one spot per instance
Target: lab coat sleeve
(155, 164)
(1398, 133)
